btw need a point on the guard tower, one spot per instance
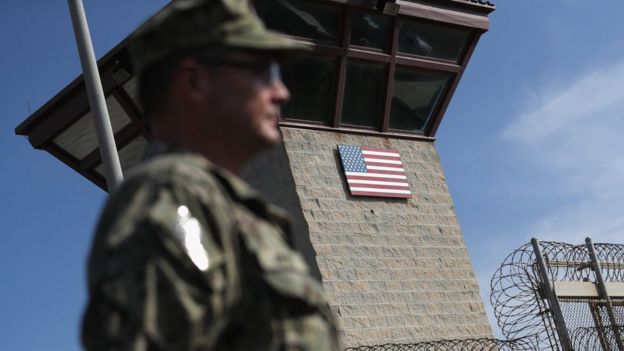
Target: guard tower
(379, 76)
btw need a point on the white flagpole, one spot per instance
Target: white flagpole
(105, 137)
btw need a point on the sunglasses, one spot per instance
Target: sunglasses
(267, 71)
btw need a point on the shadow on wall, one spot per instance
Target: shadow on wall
(270, 174)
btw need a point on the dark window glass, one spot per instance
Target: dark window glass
(371, 30)
(301, 18)
(415, 95)
(432, 40)
(364, 94)
(312, 84)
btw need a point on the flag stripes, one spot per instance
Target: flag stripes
(374, 172)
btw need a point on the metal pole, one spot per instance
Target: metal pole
(104, 131)
(562, 330)
(602, 288)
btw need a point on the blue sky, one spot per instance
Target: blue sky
(530, 145)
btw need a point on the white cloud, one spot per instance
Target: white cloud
(576, 132)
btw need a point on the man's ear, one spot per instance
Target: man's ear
(188, 81)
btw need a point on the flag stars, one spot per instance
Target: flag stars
(352, 158)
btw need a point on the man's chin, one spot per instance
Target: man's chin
(275, 138)
(269, 138)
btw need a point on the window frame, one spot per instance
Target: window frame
(346, 50)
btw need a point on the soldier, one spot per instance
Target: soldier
(186, 256)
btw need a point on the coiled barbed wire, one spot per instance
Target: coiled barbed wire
(517, 297)
(482, 344)
(595, 338)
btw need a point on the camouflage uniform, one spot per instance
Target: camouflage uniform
(188, 257)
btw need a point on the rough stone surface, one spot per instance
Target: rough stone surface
(396, 270)
(270, 174)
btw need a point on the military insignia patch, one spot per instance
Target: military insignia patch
(189, 231)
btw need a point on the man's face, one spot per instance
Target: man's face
(245, 98)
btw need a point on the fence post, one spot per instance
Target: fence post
(604, 294)
(562, 330)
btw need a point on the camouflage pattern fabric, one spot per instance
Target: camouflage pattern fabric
(187, 257)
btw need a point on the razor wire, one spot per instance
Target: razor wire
(595, 338)
(519, 301)
(481, 344)
(523, 311)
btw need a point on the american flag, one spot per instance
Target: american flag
(374, 172)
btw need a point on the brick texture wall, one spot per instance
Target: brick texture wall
(396, 270)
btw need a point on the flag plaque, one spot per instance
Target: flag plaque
(374, 172)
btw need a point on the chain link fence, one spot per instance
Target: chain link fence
(567, 306)
(595, 338)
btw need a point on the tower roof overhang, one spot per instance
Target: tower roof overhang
(63, 126)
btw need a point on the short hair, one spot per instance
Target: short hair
(155, 82)
(154, 85)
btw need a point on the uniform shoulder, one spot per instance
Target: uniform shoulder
(185, 177)
(151, 194)
(171, 167)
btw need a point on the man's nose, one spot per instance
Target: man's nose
(280, 91)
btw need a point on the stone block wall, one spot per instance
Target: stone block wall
(270, 174)
(396, 270)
